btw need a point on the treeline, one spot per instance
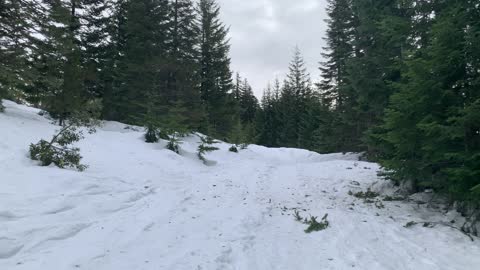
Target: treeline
(401, 82)
(156, 63)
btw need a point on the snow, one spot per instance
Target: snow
(139, 206)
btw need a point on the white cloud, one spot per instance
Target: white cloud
(264, 32)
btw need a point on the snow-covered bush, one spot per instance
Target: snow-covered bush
(233, 149)
(154, 134)
(174, 144)
(205, 147)
(315, 226)
(58, 150)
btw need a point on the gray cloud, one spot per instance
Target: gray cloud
(264, 32)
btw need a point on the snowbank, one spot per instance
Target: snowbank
(140, 206)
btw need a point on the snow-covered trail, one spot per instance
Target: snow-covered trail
(139, 206)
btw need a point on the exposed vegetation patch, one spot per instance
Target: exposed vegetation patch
(313, 224)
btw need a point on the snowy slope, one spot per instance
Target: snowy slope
(139, 206)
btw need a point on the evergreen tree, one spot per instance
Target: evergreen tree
(296, 92)
(215, 74)
(184, 80)
(57, 57)
(268, 122)
(16, 24)
(248, 103)
(97, 35)
(140, 89)
(431, 128)
(381, 33)
(338, 131)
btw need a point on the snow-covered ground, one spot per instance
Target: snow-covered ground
(139, 206)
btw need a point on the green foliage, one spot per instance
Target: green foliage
(216, 76)
(151, 135)
(174, 143)
(410, 224)
(62, 156)
(369, 194)
(315, 226)
(58, 150)
(233, 149)
(430, 133)
(205, 146)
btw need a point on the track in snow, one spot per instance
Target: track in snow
(141, 207)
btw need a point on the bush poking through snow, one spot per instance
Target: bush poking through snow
(393, 198)
(52, 152)
(2, 108)
(206, 147)
(233, 149)
(297, 216)
(369, 194)
(58, 150)
(174, 144)
(313, 224)
(153, 134)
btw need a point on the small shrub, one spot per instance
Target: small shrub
(393, 198)
(369, 194)
(315, 226)
(174, 144)
(297, 216)
(58, 150)
(151, 135)
(62, 157)
(410, 224)
(233, 149)
(205, 147)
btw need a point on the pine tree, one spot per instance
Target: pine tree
(248, 103)
(16, 24)
(338, 131)
(216, 77)
(97, 40)
(141, 68)
(295, 94)
(381, 33)
(184, 81)
(432, 128)
(57, 61)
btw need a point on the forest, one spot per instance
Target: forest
(400, 79)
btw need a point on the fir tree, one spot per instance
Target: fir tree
(184, 80)
(431, 130)
(295, 94)
(17, 21)
(215, 74)
(58, 60)
(142, 72)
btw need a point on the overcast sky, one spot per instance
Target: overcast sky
(264, 34)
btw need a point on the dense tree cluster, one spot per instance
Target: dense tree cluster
(157, 63)
(400, 82)
(400, 79)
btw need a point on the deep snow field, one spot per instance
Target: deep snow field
(139, 206)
